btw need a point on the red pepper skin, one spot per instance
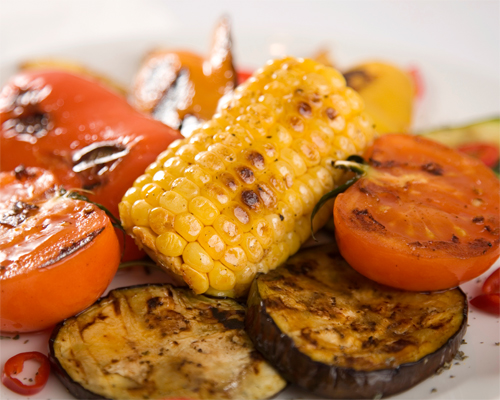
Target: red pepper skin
(14, 366)
(488, 153)
(492, 284)
(489, 303)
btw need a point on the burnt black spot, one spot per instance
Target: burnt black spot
(303, 268)
(455, 239)
(305, 109)
(153, 303)
(478, 220)
(370, 342)
(433, 168)
(230, 319)
(256, 159)
(246, 175)
(22, 173)
(365, 219)
(397, 346)
(331, 113)
(250, 198)
(18, 213)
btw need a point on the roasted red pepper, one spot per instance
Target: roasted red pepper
(14, 366)
(490, 300)
(488, 153)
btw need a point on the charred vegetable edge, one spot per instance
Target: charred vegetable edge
(337, 382)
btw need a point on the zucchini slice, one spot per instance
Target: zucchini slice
(487, 131)
(157, 342)
(334, 332)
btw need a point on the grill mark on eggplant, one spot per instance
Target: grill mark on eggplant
(381, 320)
(75, 246)
(138, 353)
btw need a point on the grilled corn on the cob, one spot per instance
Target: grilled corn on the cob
(236, 197)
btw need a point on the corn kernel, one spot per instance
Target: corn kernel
(197, 175)
(187, 152)
(173, 202)
(188, 226)
(175, 166)
(306, 196)
(277, 225)
(252, 247)
(228, 230)
(245, 275)
(142, 180)
(212, 242)
(124, 208)
(198, 281)
(163, 179)
(293, 241)
(303, 228)
(314, 186)
(292, 199)
(161, 220)
(132, 194)
(240, 214)
(140, 212)
(234, 258)
(219, 195)
(263, 232)
(204, 210)
(153, 168)
(286, 215)
(170, 244)
(185, 188)
(221, 278)
(324, 178)
(164, 156)
(294, 160)
(210, 161)
(151, 192)
(224, 152)
(197, 258)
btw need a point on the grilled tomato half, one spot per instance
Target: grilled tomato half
(57, 254)
(424, 217)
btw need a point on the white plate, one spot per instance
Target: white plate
(454, 93)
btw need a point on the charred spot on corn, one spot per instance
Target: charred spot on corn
(269, 148)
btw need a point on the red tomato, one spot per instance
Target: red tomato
(492, 283)
(489, 303)
(57, 255)
(425, 217)
(85, 134)
(14, 366)
(488, 153)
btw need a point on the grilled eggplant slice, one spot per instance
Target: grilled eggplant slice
(338, 334)
(159, 342)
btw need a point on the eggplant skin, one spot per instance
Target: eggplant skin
(159, 342)
(284, 304)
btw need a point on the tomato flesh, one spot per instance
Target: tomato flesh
(58, 255)
(14, 366)
(425, 217)
(86, 135)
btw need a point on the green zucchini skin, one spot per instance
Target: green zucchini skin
(332, 381)
(215, 332)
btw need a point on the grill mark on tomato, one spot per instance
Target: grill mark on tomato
(75, 246)
(433, 169)
(366, 220)
(18, 213)
(474, 248)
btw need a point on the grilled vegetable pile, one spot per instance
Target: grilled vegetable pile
(338, 334)
(158, 342)
(236, 197)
